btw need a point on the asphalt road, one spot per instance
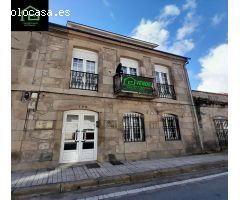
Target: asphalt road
(214, 189)
(203, 186)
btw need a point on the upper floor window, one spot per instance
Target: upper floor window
(164, 87)
(129, 66)
(171, 127)
(133, 127)
(84, 70)
(162, 75)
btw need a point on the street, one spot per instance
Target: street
(212, 186)
(214, 189)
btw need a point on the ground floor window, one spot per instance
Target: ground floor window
(221, 125)
(133, 127)
(171, 127)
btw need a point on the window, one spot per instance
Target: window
(133, 127)
(221, 125)
(90, 66)
(77, 64)
(162, 75)
(129, 66)
(163, 86)
(84, 70)
(171, 127)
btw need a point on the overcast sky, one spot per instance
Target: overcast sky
(195, 29)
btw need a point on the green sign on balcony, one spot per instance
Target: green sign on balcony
(137, 84)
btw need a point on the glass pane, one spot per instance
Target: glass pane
(77, 64)
(89, 136)
(164, 78)
(90, 66)
(72, 118)
(89, 118)
(133, 71)
(70, 146)
(70, 135)
(157, 77)
(225, 124)
(88, 145)
(124, 69)
(70, 127)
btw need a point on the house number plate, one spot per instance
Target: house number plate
(44, 125)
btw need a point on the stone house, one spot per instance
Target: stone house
(212, 115)
(69, 104)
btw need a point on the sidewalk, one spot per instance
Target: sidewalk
(72, 177)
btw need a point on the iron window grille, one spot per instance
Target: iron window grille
(171, 127)
(84, 80)
(221, 126)
(133, 127)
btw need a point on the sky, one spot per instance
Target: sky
(197, 29)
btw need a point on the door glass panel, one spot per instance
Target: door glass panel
(72, 118)
(70, 135)
(89, 136)
(70, 146)
(88, 145)
(70, 131)
(89, 118)
(71, 127)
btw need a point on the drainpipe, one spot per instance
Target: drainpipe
(194, 110)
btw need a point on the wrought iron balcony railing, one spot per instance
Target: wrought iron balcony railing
(165, 91)
(84, 80)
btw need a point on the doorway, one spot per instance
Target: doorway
(79, 136)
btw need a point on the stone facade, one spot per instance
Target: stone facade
(210, 106)
(41, 62)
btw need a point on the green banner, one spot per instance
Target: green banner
(138, 84)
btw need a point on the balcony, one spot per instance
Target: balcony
(84, 81)
(134, 86)
(165, 91)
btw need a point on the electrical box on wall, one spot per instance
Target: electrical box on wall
(29, 95)
(34, 95)
(32, 99)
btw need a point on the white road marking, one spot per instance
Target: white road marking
(154, 187)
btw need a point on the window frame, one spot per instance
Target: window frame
(85, 56)
(130, 64)
(162, 70)
(173, 129)
(221, 129)
(133, 126)
(86, 76)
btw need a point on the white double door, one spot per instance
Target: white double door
(79, 136)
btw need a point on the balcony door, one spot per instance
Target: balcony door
(79, 136)
(129, 66)
(84, 70)
(162, 75)
(163, 84)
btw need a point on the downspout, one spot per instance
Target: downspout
(193, 107)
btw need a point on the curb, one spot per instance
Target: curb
(115, 180)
